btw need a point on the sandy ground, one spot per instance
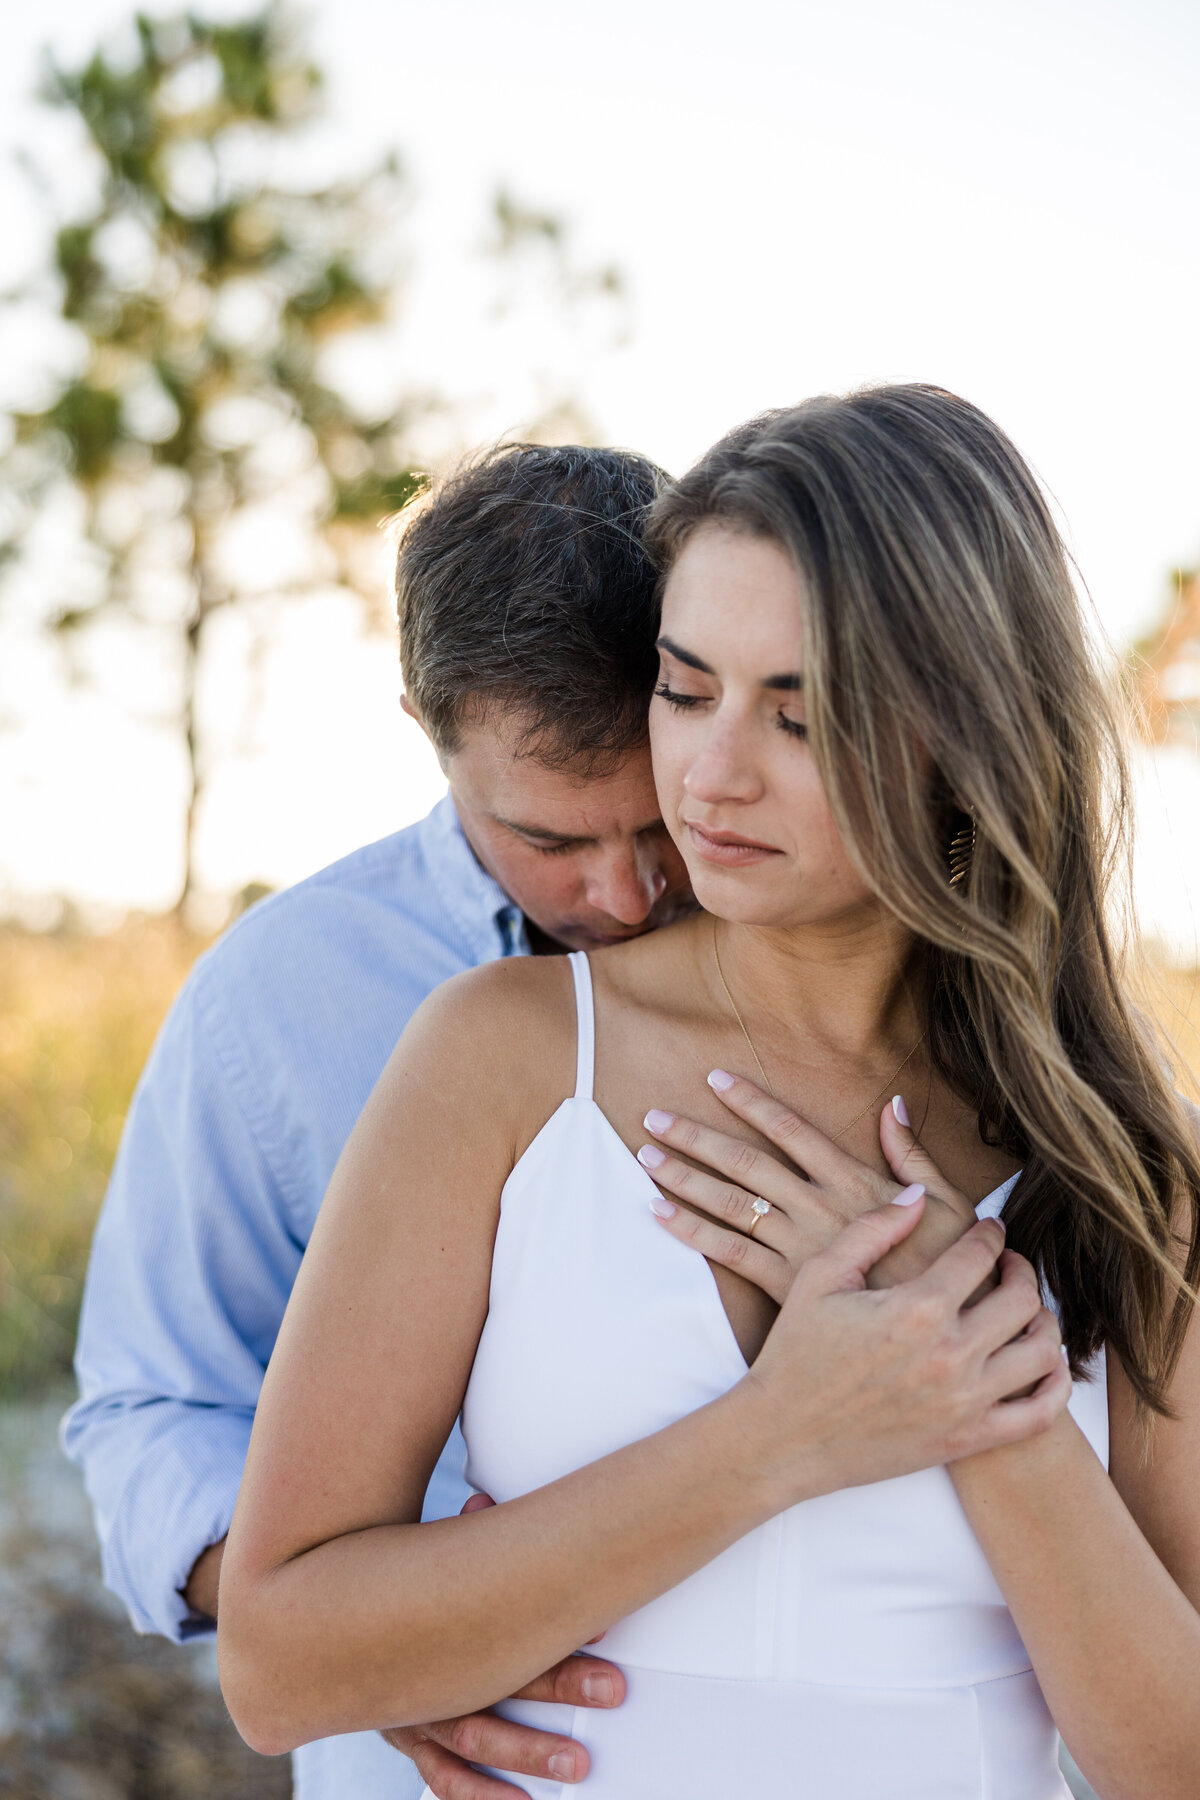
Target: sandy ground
(89, 1710)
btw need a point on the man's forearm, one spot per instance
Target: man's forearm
(163, 1477)
(200, 1591)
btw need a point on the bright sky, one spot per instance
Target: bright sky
(803, 195)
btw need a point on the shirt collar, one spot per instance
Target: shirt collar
(489, 921)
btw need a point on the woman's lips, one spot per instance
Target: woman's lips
(727, 848)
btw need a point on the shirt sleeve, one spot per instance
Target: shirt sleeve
(192, 1263)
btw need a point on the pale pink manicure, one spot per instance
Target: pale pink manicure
(900, 1110)
(721, 1081)
(651, 1157)
(658, 1122)
(910, 1195)
(662, 1209)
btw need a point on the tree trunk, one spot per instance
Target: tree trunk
(191, 662)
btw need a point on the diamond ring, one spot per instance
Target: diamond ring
(760, 1209)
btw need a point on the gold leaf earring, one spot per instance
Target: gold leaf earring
(962, 849)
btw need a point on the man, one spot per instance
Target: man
(527, 622)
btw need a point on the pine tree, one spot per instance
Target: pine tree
(206, 291)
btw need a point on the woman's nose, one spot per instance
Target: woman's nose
(722, 768)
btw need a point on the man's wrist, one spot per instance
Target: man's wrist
(201, 1588)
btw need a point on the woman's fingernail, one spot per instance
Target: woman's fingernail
(662, 1209)
(899, 1108)
(651, 1157)
(562, 1765)
(721, 1081)
(910, 1195)
(658, 1122)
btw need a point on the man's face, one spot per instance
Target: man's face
(586, 858)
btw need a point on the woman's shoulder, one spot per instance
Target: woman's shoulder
(652, 972)
(498, 1039)
(491, 1003)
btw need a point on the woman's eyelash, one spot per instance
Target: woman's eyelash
(674, 699)
(793, 727)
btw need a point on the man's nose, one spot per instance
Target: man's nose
(627, 886)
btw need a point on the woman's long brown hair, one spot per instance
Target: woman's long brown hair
(951, 689)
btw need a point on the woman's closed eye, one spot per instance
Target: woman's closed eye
(673, 698)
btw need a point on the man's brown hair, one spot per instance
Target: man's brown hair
(522, 584)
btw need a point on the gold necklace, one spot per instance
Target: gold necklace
(754, 1053)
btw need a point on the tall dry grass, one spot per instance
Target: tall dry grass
(77, 1018)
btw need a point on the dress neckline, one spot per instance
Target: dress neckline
(989, 1207)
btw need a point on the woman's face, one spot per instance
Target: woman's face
(736, 779)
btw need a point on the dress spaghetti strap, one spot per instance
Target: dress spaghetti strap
(585, 1024)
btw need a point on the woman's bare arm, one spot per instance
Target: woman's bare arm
(340, 1612)
(1102, 1574)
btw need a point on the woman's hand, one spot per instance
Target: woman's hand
(812, 1194)
(855, 1386)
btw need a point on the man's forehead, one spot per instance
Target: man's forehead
(542, 800)
(557, 803)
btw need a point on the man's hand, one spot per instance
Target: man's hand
(444, 1752)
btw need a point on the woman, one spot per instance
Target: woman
(834, 1560)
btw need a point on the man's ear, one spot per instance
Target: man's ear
(407, 706)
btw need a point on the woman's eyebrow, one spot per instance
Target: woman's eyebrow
(683, 656)
(787, 684)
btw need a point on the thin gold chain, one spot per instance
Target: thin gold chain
(754, 1053)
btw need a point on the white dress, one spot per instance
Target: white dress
(855, 1648)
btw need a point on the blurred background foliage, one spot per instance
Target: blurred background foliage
(206, 292)
(78, 1015)
(212, 291)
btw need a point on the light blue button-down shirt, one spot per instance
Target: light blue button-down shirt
(261, 1069)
